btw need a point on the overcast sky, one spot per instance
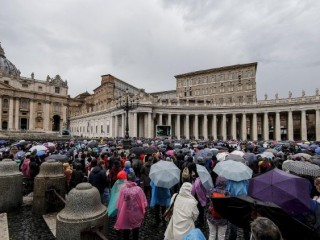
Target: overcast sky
(146, 43)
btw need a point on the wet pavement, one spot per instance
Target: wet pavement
(23, 224)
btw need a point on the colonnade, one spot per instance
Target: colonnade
(266, 125)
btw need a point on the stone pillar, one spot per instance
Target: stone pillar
(277, 127)
(303, 125)
(10, 123)
(196, 126)
(150, 125)
(64, 117)
(16, 116)
(31, 115)
(186, 127)
(205, 126)
(0, 113)
(214, 126)
(169, 119)
(123, 124)
(47, 120)
(234, 126)
(244, 127)
(224, 127)
(265, 127)
(290, 126)
(135, 124)
(160, 119)
(317, 124)
(178, 126)
(254, 127)
(116, 126)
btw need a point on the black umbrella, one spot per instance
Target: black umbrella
(150, 150)
(58, 157)
(241, 210)
(137, 150)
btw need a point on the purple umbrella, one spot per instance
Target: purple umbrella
(288, 191)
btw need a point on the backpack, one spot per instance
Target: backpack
(185, 175)
(211, 207)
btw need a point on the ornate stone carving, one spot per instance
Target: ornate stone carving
(266, 97)
(290, 94)
(277, 96)
(303, 93)
(32, 75)
(317, 91)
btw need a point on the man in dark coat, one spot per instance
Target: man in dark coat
(98, 178)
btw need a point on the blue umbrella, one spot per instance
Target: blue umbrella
(41, 153)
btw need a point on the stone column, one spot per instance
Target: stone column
(196, 126)
(169, 119)
(244, 127)
(303, 125)
(224, 127)
(214, 126)
(186, 127)
(116, 126)
(234, 126)
(31, 115)
(0, 113)
(317, 124)
(16, 116)
(265, 127)
(123, 124)
(254, 127)
(46, 117)
(178, 126)
(205, 126)
(277, 127)
(290, 126)
(10, 123)
(150, 125)
(160, 119)
(64, 117)
(135, 124)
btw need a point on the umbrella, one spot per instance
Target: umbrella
(222, 156)
(164, 174)
(4, 149)
(40, 153)
(137, 150)
(237, 152)
(304, 155)
(240, 210)
(19, 155)
(38, 148)
(49, 144)
(235, 158)
(271, 150)
(301, 168)
(92, 144)
(170, 152)
(204, 176)
(233, 170)
(286, 190)
(150, 150)
(58, 157)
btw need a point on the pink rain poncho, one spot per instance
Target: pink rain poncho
(131, 206)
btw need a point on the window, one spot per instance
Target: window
(25, 85)
(57, 90)
(39, 88)
(249, 73)
(6, 82)
(102, 129)
(24, 103)
(222, 77)
(213, 78)
(230, 76)
(5, 103)
(56, 107)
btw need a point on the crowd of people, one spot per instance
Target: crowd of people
(122, 178)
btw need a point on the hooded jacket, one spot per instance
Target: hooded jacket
(98, 178)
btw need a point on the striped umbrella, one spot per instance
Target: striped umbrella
(301, 168)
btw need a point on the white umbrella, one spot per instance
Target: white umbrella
(222, 156)
(237, 152)
(233, 170)
(38, 148)
(204, 176)
(164, 174)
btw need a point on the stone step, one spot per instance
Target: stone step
(4, 230)
(50, 220)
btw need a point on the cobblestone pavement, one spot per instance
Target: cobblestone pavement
(23, 224)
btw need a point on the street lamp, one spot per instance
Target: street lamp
(127, 103)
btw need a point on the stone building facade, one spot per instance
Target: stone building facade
(203, 115)
(30, 104)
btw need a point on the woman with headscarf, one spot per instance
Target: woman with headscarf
(185, 212)
(112, 209)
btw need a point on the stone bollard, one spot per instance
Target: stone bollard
(83, 212)
(50, 179)
(10, 185)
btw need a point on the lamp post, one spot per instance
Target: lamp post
(127, 103)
